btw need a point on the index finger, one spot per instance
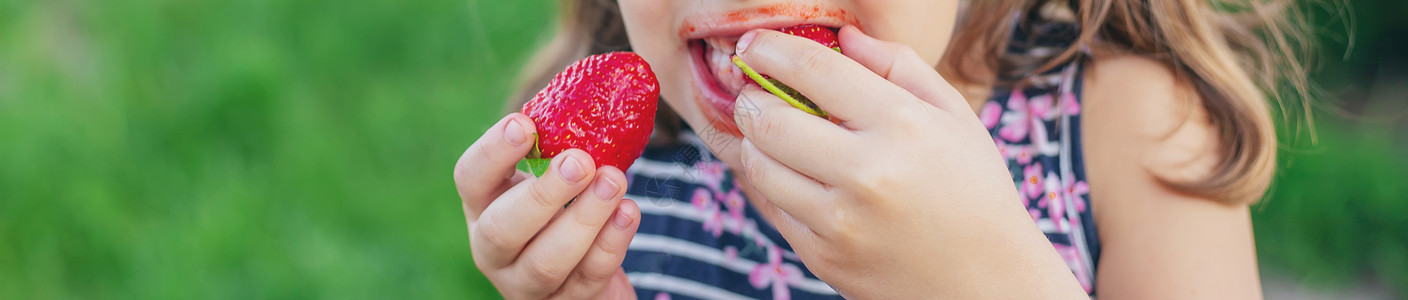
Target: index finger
(902, 66)
(486, 169)
(839, 85)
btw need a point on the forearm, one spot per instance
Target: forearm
(1002, 255)
(985, 252)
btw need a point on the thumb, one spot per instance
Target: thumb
(902, 66)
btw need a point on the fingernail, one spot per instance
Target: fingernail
(572, 170)
(605, 188)
(514, 133)
(620, 220)
(744, 40)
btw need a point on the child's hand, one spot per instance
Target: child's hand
(523, 239)
(905, 195)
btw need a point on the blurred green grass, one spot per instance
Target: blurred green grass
(173, 149)
(246, 149)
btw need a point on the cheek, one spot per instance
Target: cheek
(925, 25)
(652, 26)
(647, 23)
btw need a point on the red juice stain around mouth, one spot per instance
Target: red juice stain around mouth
(804, 11)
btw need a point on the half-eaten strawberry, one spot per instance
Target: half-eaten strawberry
(822, 35)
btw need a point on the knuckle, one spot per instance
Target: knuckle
(844, 231)
(870, 182)
(541, 275)
(539, 195)
(813, 61)
(484, 154)
(481, 259)
(609, 248)
(582, 218)
(491, 235)
(909, 113)
(906, 124)
(594, 276)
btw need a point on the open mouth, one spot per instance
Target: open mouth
(712, 36)
(718, 79)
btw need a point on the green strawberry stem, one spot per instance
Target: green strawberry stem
(536, 163)
(767, 85)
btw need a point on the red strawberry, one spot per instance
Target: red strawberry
(603, 104)
(825, 36)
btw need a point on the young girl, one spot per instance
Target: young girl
(1071, 148)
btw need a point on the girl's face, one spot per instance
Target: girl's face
(688, 43)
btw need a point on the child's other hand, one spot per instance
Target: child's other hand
(522, 238)
(906, 195)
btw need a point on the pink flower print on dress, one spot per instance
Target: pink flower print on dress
(1054, 202)
(1074, 189)
(1040, 108)
(1032, 182)
(990, 114)
(1041, 144)
(775, 273)
(714, 221)
(1015, 122)
(702, 199)
(1024, 116)
(703, 202)
(734, 203)
(711, 173)
(1021, 153)
(1026, 203)
(662, 296)
(1068, 104)
(730, 253)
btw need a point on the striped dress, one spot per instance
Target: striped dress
(700, 239)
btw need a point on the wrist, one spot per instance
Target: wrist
(1003, 254)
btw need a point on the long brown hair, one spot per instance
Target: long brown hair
(1237, 53)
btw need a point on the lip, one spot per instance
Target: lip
(712, 99)
(734, 23)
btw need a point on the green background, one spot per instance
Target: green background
(303, 148)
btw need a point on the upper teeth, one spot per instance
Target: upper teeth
(717, 55)
(722, 44)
